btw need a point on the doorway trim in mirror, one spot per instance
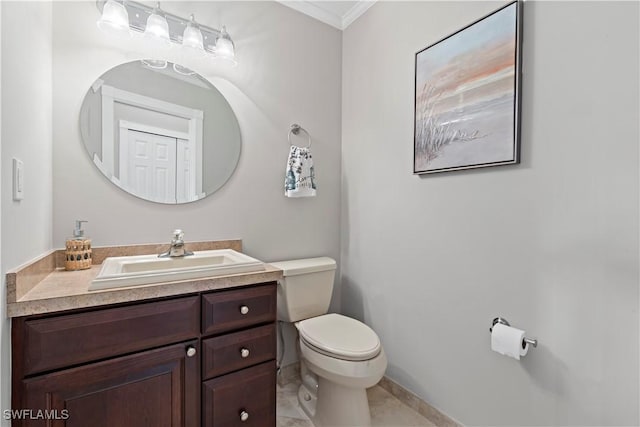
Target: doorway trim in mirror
(112, 95)
(158, 134)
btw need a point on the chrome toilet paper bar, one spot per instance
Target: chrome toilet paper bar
(503, 321)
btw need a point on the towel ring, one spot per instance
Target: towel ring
(295, 129)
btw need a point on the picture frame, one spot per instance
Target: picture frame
(467, 96)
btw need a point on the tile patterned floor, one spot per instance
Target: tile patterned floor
(386, 410)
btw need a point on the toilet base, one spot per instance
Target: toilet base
(337, 405)
(328, 404)
(307, 400)
(334, 391)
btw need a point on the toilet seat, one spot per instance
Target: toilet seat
(340, 337)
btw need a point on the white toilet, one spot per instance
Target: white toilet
(340, 357)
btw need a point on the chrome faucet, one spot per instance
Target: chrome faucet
(176, 249)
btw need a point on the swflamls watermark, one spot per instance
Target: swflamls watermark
(35, 414)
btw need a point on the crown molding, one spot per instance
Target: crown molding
(356, 11)
(310, 9)
(340, 22)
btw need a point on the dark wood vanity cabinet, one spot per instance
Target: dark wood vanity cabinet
(197, 360)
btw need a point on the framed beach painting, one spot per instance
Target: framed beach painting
(467, 99)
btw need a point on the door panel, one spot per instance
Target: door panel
(148, 166)
(155, 388)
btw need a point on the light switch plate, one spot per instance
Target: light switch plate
(18, 179)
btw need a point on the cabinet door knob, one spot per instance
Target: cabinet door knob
(244, 415)
(244, 309)
(191, 351)
(244, 352)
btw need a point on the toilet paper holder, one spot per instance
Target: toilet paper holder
(503, 321)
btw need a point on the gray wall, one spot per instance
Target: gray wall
(26, 134)
(550, 244)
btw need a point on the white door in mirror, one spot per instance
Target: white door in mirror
(148, 166)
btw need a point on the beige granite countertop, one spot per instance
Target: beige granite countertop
(59, 290)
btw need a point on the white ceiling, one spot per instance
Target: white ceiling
(339, 14)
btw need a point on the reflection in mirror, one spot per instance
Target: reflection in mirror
(160, 131)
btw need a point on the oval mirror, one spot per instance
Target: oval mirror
(160, 131)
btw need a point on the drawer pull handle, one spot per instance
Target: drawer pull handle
(244, 309)
(244, 353)
(191, 351)
(244, 415)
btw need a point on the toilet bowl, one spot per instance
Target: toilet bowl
(347, 358)
(342, 350)
(340, 357)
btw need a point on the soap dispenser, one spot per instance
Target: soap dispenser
(78, 250)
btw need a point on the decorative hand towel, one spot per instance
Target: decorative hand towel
(300, 177)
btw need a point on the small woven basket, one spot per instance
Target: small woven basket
(78, 254)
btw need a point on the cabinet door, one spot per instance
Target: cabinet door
(154, 388)
(246, 398)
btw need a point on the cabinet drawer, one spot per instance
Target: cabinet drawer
(238, 350)
(251, 391)
(224, 311)
(67, 340)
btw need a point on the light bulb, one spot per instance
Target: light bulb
(157, 29)
(114, 19)
(192, 36)
(225, 48)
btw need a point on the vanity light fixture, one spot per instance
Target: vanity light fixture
(166, 29)
(157, 28)
(225, 49)
(114, 19)
(192, 36)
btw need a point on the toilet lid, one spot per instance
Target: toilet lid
(340, 336)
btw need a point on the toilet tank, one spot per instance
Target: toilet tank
(305, 290)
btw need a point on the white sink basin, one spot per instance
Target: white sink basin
(124, 271)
